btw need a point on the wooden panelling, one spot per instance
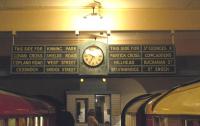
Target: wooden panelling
(116, 111)
(115, 101)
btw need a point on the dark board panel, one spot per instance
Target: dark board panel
(65, 59)
(44, 59)
(142, 59)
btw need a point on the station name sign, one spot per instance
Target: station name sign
(121, 59)
(142, 59)
(44, 59)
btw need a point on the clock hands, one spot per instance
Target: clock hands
(93, 56)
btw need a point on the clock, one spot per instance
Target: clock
(93, 56)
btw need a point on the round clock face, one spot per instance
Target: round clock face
(93, 56)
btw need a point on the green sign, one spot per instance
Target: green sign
(142, 59)
(44, 60)
(116, 59)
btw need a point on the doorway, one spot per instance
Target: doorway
(103, 108)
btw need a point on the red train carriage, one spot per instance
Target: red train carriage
(16, 110)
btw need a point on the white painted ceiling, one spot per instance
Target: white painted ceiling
(138, 4)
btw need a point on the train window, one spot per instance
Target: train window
(175, 122)
(160, 121)
(196, 123)
(192, 123)
(11, 122)
(169, 122)
(81, 109)
(41, 121)
(36, 121)
(30, 121)
(163, 121)
(22, 121)
(156, 121)
(2, 122)
(130, 119)
(27, 121)
(189, 123)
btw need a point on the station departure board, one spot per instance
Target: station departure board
(142, 59)
(121, 59)
(44, 59)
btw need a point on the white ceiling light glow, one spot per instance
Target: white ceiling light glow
(93, 21)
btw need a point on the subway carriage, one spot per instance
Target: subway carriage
(133, 113)
(17, 110)
(179, 106)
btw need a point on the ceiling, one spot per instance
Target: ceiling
(136, 4)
